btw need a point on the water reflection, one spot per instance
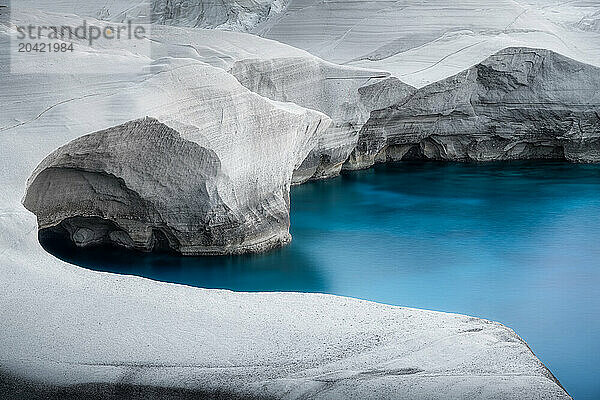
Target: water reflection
(286, 269)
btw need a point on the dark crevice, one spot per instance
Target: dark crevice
(66, 237)
(15, 388)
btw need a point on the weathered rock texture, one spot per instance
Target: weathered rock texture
(590, 23)
(422, 42)
(209, 174)
(518, 104)
(384, 93)
(240, 15)
(345, 94)
(134, 185)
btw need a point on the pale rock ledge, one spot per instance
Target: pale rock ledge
(346, 94)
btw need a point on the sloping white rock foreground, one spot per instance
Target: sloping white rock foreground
(63, 325)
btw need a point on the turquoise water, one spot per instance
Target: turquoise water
(514, 242)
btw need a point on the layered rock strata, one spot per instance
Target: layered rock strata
(210, 173)
(520, 103)
(347, 95)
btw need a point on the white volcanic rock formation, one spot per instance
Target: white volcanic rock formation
(518, 104)
(210, 175)
(347, 95)
(278, 72)
(231, 196)
(144, 185)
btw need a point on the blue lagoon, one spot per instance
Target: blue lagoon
(515, 242)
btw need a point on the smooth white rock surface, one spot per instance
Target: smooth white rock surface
(293, 75)
(421, 42)
(271, 69)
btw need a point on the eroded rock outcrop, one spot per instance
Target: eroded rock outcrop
(518, 104)
(141, 185)
(134, 185)
(347, 95)
(590, 23)
(209, 173)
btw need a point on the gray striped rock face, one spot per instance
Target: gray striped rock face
(209, 172)
(346, 94)
(138, 185)
(518, 104)
(141, 185)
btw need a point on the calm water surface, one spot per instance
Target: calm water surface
(515, 242)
